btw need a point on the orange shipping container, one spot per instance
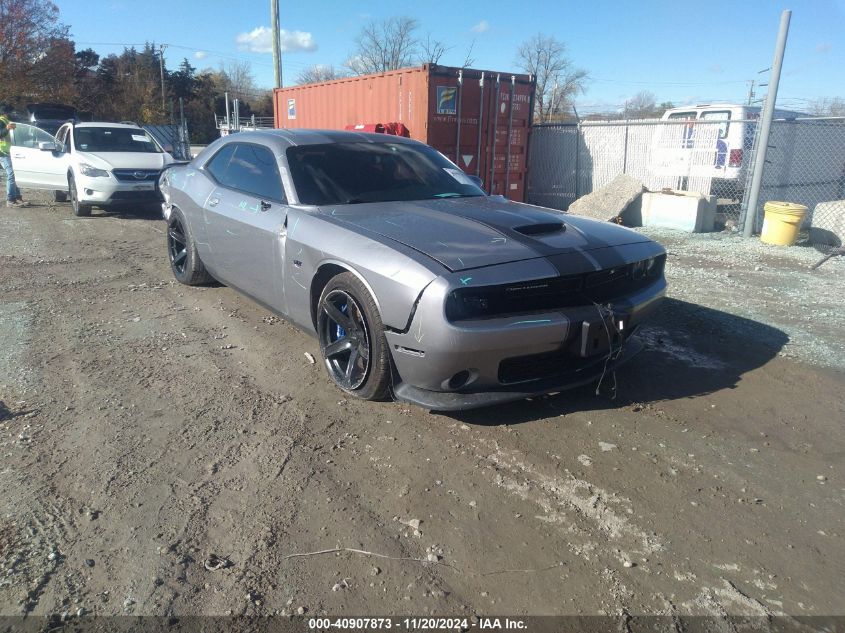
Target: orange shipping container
(478, 119)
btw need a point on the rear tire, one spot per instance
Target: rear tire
(352, 341)
(185, 262)
(80, 209)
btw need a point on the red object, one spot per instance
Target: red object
(426, 103)
(395, 129)
(735, 158)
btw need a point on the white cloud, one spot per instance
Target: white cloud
(716, 68)
(823, 47)
(260, 40)
(200, 54)
(481, 27)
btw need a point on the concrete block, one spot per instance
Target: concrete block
(827, 226)
(683, 210)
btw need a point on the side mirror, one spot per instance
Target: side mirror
(48, 146)
(168, 148)
(477, 181)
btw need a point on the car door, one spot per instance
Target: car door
(37, 168)
(245, 221)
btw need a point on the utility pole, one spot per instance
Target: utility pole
(277, 47)
(161, 48)
(750, 92)
(765, 127)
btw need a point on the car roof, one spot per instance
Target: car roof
(106, 124)
(318, 137)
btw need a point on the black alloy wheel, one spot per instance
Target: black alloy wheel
(344, 339)
(177, 246)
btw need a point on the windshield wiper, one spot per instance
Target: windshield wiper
(451, 194)
(354, 201)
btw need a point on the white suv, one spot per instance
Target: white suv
(102, 164)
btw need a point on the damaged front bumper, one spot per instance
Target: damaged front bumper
(446, 366)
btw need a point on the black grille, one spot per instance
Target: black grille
(146, 194)
(131, 175)
(485, 302)
(558, 365)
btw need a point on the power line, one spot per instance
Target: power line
(195, 50)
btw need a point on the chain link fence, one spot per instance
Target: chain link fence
(805, 161)
(172, 137)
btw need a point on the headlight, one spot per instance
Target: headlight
(92, 172)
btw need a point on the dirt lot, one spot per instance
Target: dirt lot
(147, 427)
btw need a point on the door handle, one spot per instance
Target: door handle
(19, 156)
(213, 202)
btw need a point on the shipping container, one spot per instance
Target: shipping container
(478, 119)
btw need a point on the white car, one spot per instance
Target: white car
(95, 164)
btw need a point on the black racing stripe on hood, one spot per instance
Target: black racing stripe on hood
(554, 255)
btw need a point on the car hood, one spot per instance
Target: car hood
(125, 160)
(464, 233)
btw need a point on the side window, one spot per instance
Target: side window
(30, 136)
(218, 165)
(719, 115)
(685, 116)
(248, 168)
(61, 137)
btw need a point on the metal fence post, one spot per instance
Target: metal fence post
(750, 214)
(577, 159)
(625, 153)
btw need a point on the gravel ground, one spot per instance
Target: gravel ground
(171, 451)
(768, 284)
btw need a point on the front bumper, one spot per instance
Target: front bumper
(506, 359)
(461, 401)
(108, 191)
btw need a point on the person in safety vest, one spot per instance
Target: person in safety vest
(13, 194)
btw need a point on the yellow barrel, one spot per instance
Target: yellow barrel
(781, 222)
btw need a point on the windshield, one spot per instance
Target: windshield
(113, 139)
(349, 173)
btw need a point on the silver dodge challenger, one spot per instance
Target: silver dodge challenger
(417, 284)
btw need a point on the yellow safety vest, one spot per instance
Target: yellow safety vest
(6, 141)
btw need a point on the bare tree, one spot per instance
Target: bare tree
(317, 73)
(385, 45)
(642, 105)
(469, 60)
(432, 50)
(558, 80)
(828, 106)
(238, 80)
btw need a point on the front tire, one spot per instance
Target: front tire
(80, 209)
(352, 341)
(185, 262)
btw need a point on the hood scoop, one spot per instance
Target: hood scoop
(544, 228)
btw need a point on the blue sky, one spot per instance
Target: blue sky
(681, 52)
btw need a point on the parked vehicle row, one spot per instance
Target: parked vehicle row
(416, 284)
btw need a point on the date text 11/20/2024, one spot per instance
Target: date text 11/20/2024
(416, 624)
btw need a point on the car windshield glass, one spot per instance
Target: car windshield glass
(113, 139)
(52, 112)
(350, 173)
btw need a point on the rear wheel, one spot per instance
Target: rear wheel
(351, 337)
(185, 263)
(79, 208)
